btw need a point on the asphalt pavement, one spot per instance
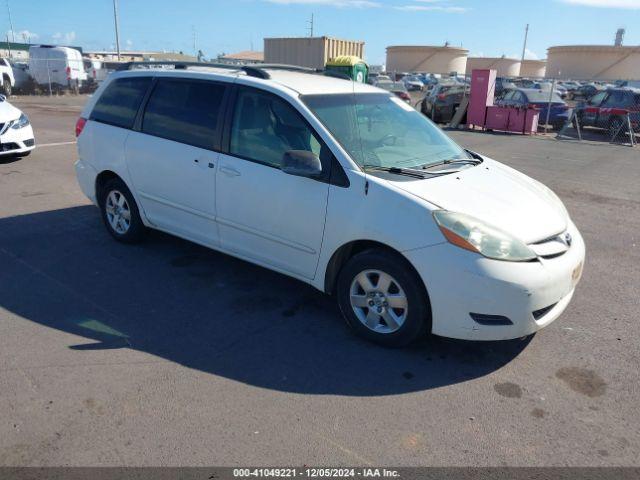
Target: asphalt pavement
(167, 353)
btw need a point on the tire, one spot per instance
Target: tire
(388, 326)
(434, 118)
(120, 212)
(6, 87)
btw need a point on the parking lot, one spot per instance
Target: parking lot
(167, 353)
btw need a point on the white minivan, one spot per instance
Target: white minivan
(338, 184)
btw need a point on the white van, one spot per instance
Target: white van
(338, 184)
(62, 67)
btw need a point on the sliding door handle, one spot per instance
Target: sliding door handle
(229, 171)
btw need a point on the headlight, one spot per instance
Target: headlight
(469, 233)
(23, 121)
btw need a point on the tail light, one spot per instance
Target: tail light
(80, 125)
(441, 96)
(404, 96)
(68, 70)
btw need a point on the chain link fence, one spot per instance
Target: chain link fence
(572, 109)
(53, 76)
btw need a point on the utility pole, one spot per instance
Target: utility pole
(311, 26)
(193, 32)
(13, 36)
(115, 19)
(524, 47)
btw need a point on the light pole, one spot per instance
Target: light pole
(13, 36)
(115, 19)
(524, 47)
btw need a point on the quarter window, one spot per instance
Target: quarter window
(184, 111)
(265, 127)
(119, 103)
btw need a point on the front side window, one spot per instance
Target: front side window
(118, 105)
(185, 111)
(379, 130)
(265, 127)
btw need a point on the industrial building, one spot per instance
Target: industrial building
(594, 62)
(313, 52)
(247, 57)
(533, 68)
(504, 66)
(429, 59)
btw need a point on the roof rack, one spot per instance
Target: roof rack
(257, 71)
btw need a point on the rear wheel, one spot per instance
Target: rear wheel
(6, 87)
(120, 212)
(383, 299)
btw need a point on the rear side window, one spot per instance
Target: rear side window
(265, 127)
(185, 111)
(120, 101)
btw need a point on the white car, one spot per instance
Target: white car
(16, 134)
(7, 80)
(338, 184)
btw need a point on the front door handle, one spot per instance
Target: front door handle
(230, 172)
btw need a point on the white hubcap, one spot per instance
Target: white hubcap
(378, 301)
(118, 212)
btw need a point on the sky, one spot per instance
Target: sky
(486, 28)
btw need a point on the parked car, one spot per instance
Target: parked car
(397, 88)
(7, 80)
(441, 106)
(336, 184)
(60, 67)
(23, 81)
(95, 69)
(413, 83)
(538, 99)
(613, 98)
(587, 91)
(502, 84)
(16, 134)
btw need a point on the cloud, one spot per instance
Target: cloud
(23, 36)
(431, 8)
(331, 3)
(64, 38)
(628, 4)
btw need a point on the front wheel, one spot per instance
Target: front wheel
(383, 299)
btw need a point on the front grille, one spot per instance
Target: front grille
(553, 246)
(30, 142)
(538, 314)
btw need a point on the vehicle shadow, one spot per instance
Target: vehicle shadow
(210, 312)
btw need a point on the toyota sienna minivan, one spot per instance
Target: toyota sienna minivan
(338, 184)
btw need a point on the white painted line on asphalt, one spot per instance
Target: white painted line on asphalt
(54, 144)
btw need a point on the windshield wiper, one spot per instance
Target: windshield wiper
(398, 171)
(454, 161)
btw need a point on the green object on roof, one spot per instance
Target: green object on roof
(350, 66)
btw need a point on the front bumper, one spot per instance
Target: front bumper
(460, 283)
(16, 141)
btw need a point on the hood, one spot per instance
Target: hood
(497, 195)
(8, 112)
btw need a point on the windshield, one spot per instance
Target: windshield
(378, 130)
(543, 97)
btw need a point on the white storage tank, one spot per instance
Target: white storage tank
(594, 62)
(429, 59)
(533, 68)
(504, 66)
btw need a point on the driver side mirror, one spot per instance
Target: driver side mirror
(301, 163)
